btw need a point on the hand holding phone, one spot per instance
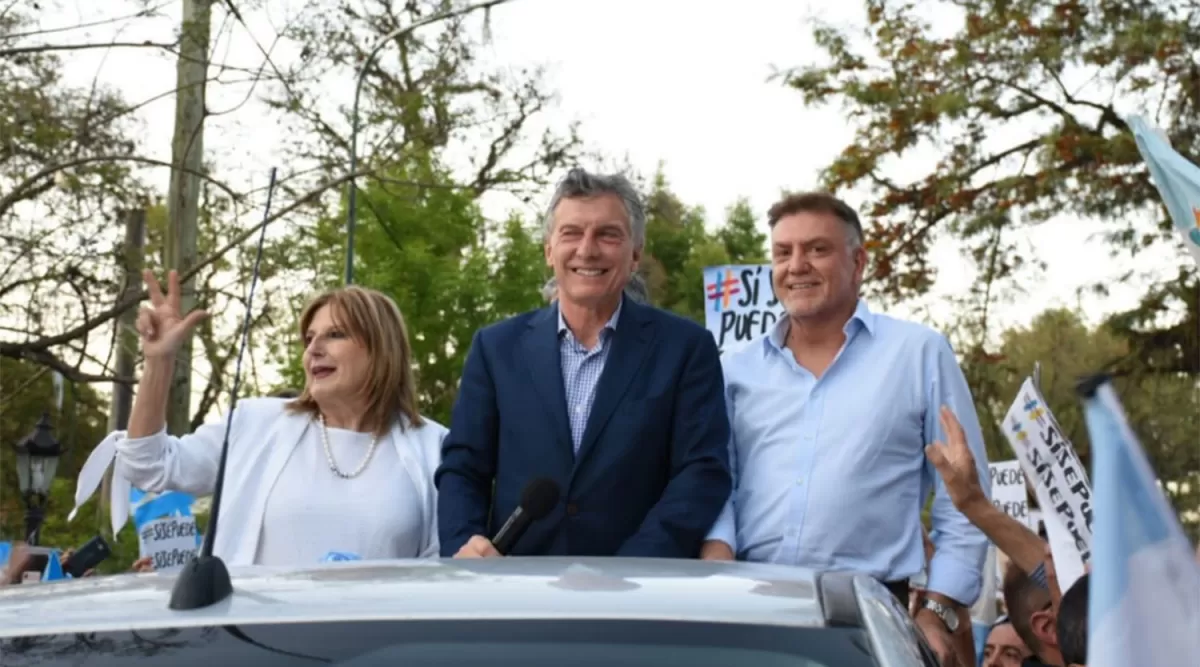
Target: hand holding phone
(87, 557)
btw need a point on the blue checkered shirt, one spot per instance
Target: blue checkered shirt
(581, 370)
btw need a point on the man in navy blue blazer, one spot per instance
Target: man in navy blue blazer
(623, 405)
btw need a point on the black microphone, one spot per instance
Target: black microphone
(537, 500)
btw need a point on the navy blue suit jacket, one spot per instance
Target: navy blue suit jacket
(652, 473)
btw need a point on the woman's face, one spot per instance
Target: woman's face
(335, 365)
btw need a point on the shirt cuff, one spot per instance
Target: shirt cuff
(124, 441)
(725, 529)
(950, 577)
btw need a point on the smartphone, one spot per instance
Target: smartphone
(87, 557)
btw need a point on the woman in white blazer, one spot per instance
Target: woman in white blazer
(345, 467)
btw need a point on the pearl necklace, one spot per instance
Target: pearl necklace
(329, 453)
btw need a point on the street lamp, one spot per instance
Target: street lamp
(351, 204)
(37, 460)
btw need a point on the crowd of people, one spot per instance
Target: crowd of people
(816, 445)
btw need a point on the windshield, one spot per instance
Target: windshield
(509, 643)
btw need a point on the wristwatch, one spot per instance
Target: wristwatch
(943, 612)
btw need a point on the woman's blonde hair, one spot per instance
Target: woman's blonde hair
(372, 319)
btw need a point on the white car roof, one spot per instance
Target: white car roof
(497, 588)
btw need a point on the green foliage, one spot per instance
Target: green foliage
(999, 100)
(424, 247)
(679, 246)
(26, 391)
(743, 243)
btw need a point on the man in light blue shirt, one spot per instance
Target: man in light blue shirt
(830, 416)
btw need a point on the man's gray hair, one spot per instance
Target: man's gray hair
(580, 183)
(550, 290)
(635, 289)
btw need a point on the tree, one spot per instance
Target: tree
(743, 242)
(26, 391)
(423, 245)
(1020, 106)
(424, 94)
(677, 248)
(67, 171)
(63, 171)
(221, 289)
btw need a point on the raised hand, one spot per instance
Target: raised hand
(162, 326)
(955, 463)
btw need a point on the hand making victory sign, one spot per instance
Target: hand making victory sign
(162, 326)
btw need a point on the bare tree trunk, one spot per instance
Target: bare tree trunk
(132, 261)
(183, 199)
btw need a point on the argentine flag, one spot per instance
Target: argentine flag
(1177, 180)
(1144, 602)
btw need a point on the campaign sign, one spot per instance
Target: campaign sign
(739, 304)
(167, 531)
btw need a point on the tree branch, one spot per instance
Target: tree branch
(47, 48)
(19, 192)
(45, 358)
(19, 350)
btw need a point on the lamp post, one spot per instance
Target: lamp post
(352, 197)
(37, 460)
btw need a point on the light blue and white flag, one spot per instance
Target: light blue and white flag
(1177, 180)
(1144, 602)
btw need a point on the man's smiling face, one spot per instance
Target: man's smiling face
(591, 250)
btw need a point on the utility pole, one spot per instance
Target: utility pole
(132, 261)
(126, 341)
(183, 197)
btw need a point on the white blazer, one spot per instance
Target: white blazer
(262, 437)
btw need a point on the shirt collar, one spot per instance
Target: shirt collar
(610, 325)
(862, 318)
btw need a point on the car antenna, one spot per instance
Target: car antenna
(204, 580)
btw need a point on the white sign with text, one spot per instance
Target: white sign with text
(1059, 479)
(739, 304)
(169, 541)
(1010, 493)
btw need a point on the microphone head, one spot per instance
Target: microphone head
(539, 497)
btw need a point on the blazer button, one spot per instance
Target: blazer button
(572, 509)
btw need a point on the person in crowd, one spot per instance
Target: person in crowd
(959, 472)
(346, 466)
(619, 403)
(636, 290)
(1003, 646)
(1073, 623)
(831, 412)
(1031, 610)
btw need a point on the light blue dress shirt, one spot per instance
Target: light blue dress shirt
(581, 370)
(831, 474)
